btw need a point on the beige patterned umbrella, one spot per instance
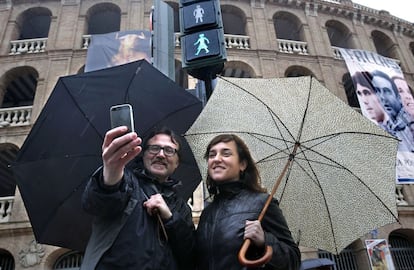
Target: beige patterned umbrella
(339, 181)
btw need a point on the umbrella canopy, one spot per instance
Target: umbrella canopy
(64, 146)
(340, 182)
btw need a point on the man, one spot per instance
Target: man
(387, 93)
(368, 100)
(140, 222)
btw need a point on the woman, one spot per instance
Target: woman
(234, 183)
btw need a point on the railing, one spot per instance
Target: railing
(35, 45)
(346, 260)
(237, 42)
(399, 195)
(16, 116)
(293, 46)
(86, 40)
(6, 205)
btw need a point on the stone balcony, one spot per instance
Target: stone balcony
(36, 45)
(6, 206)
(15, 116)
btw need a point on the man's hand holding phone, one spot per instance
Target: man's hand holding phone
(120, 146)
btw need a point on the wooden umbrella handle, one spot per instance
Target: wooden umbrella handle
(269, 251)
(254, 263)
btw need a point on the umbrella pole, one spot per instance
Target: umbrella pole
(269, 251)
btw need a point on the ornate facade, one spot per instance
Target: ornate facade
(43, 40)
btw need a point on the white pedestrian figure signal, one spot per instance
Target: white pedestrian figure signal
(198, 14)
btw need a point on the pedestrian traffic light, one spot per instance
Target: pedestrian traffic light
(202, 37)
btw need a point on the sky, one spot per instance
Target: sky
(398, 8)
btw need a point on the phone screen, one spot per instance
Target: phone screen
(121, 115)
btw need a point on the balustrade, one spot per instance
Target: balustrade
(16, 116)
(293, 46)
(6, 205)
(35, 45)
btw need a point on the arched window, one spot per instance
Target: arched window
(71, 260)
(237, 69)
(6, 260)
(384, 45)
(339, 35)
(234, 20)
(402, 250)
(297, 71)
(18, 87)
(35, 23)
(8, 153)
(287, 26)
(104, 18)
(346, 260)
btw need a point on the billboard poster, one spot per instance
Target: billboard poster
(386, 99)
(379, 254)
(117, 48)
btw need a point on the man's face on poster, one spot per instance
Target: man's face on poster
(387, 95)
(370, 103)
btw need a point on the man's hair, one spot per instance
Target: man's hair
(250, 177)
(363, 78)
(166, 131)
(379, 73)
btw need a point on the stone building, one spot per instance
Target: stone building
(43, 40)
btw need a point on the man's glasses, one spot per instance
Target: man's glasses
(155, 149)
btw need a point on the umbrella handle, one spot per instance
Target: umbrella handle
(254, 263)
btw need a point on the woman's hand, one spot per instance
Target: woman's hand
(254, 231)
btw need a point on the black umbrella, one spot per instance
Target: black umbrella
(64, 146)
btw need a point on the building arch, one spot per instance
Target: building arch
(103, 18)
(401, 244)
(18, 87)
(6, 260)
(238, 69)
(8, 153)
(34, 23)
(234, 20)
(384, 44)
(297, 71)
(69, 260)
(288, 26)
(339, 34)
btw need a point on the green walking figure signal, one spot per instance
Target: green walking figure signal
(202, 42)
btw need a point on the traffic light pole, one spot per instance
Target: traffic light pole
(209, 88)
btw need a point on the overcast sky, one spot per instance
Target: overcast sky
(399, 8)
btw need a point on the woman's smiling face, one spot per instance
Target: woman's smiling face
(223, 162)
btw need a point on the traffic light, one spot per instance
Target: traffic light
(203, 46)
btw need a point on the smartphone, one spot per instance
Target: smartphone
(122, 115)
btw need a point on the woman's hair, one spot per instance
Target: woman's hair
(250, 177)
